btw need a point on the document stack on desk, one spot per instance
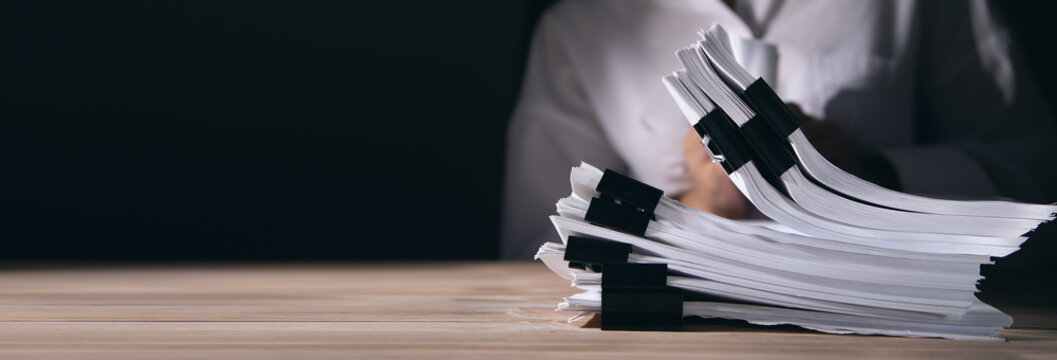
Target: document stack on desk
(850, 257)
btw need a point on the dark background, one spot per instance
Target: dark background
(257, 129)
(291, 130)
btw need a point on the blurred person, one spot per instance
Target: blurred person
(925, 97)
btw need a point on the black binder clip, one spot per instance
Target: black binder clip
(592, 254)
(611, 214)
(724, 140)
(773, 151)
(754, 141)
(629, 191)
(637, 297)
(763, 99)
(625, 204)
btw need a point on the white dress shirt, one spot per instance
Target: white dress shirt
(934, 86)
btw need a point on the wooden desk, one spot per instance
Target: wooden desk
(435, 310)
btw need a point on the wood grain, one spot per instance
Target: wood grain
(401, 310)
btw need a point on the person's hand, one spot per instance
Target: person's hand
(711, 190)
(831, 142)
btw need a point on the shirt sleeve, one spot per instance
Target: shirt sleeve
(982, 130)
(553, 128)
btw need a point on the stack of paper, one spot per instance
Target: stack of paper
(850, 257)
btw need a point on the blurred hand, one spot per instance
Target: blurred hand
(711, 190)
